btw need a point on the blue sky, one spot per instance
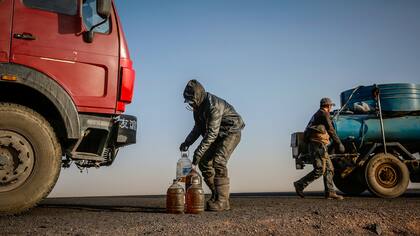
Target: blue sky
(273, 60)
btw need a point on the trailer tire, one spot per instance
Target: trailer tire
(386, 176)
(353, 184)
(30, 158)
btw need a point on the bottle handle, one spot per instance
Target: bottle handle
(186, 152)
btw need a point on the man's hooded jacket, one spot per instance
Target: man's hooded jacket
(214, 117)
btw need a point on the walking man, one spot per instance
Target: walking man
(220, 126)
(317, 135)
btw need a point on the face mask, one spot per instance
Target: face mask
(189, 108)
(190, 105)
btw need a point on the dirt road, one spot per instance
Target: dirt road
(252, 214)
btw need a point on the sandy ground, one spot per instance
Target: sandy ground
(252, 214)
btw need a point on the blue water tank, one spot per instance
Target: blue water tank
(394, 97)
(367, 128)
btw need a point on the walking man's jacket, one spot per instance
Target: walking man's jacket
(320, 129)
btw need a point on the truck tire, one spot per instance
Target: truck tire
(353, 184)
(386, 176)
(30, 158)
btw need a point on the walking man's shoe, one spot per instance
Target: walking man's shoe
(299, 190)
(334, 196)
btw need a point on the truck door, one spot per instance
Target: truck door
(6, 10)
(46, 35)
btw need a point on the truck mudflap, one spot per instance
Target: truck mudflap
(126, 130)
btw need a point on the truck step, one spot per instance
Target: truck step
(86, 156)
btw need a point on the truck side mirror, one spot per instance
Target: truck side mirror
(103, 7)
(88, 36)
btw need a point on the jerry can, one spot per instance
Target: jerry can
(188, 178)
(183, 167)
(175, 199)
(195, 197)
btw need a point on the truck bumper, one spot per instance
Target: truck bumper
(102, 136)
(126, 130)
(118, 130)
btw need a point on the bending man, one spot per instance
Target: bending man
(220, 125)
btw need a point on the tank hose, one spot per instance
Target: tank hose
(348, 100)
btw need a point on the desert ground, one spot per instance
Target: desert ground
(251, 214)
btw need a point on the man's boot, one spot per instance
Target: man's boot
(222, 190)
(334, 195)
(299, 189)
(212, 187)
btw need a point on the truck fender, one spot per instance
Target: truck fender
(50, 89)
(405, 153)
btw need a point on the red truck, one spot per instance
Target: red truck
(65, 79)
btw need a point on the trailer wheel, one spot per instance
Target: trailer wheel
(30, 158)
(353, 184)
(386, 176)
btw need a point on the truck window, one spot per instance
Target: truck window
(91, 17)
(66, 7)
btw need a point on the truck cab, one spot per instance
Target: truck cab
(65, 78)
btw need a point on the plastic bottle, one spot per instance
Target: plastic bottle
(183, 167)
(175, 199)
(195, 197)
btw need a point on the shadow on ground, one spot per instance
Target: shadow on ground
(156, 203)
(107, 208)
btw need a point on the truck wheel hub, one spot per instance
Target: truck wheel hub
(387, 175)
(16, 160)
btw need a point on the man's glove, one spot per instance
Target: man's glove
(340, 148)
(183, 147)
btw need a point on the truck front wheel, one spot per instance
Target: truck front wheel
(386, 176)
(30, 158)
